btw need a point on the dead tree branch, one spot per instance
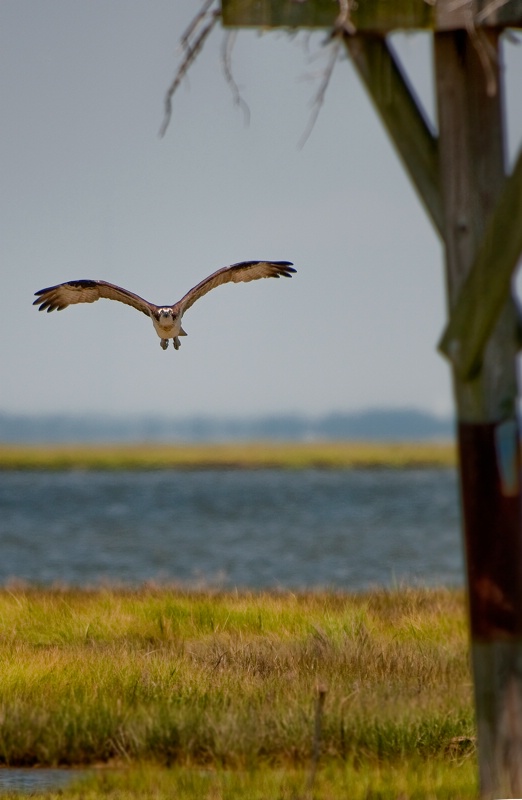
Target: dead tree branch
(202, 25)
(343, 23)
(320, 95)
(226, 53)
(207, 18)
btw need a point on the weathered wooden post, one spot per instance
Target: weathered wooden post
(460, 177)
(471, 153)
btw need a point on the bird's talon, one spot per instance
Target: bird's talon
(164, 343)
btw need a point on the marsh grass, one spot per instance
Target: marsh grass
(230, 681)
(325, 455)
(411, 779)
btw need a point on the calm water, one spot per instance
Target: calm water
(266, 528)
(37, 780)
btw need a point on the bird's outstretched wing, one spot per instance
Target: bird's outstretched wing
(237, 273)
(56, 298)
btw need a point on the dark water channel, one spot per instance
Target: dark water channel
(345, 529)
(27, 781)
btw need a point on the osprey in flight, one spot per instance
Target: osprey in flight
(166, 319)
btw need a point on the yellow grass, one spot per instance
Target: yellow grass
(229, 679)
(326, 455)
(214, 695)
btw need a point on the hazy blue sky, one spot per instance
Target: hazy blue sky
(89, 190)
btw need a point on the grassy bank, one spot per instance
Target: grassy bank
(241, 456)
(410, 780)
(225, 689)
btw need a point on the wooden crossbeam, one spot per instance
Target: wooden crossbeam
(488, 284)
(402, 115)
(375, 16)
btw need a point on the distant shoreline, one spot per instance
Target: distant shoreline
(254, 455)
(369, 425)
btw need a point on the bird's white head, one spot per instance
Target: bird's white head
(166, 322)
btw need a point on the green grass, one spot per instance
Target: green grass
(409, 780)
(224, 681)
(412, 779)
(241, 456)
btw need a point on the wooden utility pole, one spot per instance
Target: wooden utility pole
(459, 174)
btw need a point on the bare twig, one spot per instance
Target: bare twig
(228, 46)
(486, 54)
(194, 24)
(319, 98)
(343, 23)
(495, 5)
(196, 34)
(191, 50)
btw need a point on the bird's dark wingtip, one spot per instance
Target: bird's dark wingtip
(286, 268)
(38, 302)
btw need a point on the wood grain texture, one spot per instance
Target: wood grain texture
(375, 16)
(471, 152)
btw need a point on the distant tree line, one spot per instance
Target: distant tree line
(377, 424)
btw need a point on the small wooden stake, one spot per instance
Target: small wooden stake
(318, 723)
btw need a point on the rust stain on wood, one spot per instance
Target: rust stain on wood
(490, 469)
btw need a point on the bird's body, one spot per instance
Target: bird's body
(166, 319)
(168, 326)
